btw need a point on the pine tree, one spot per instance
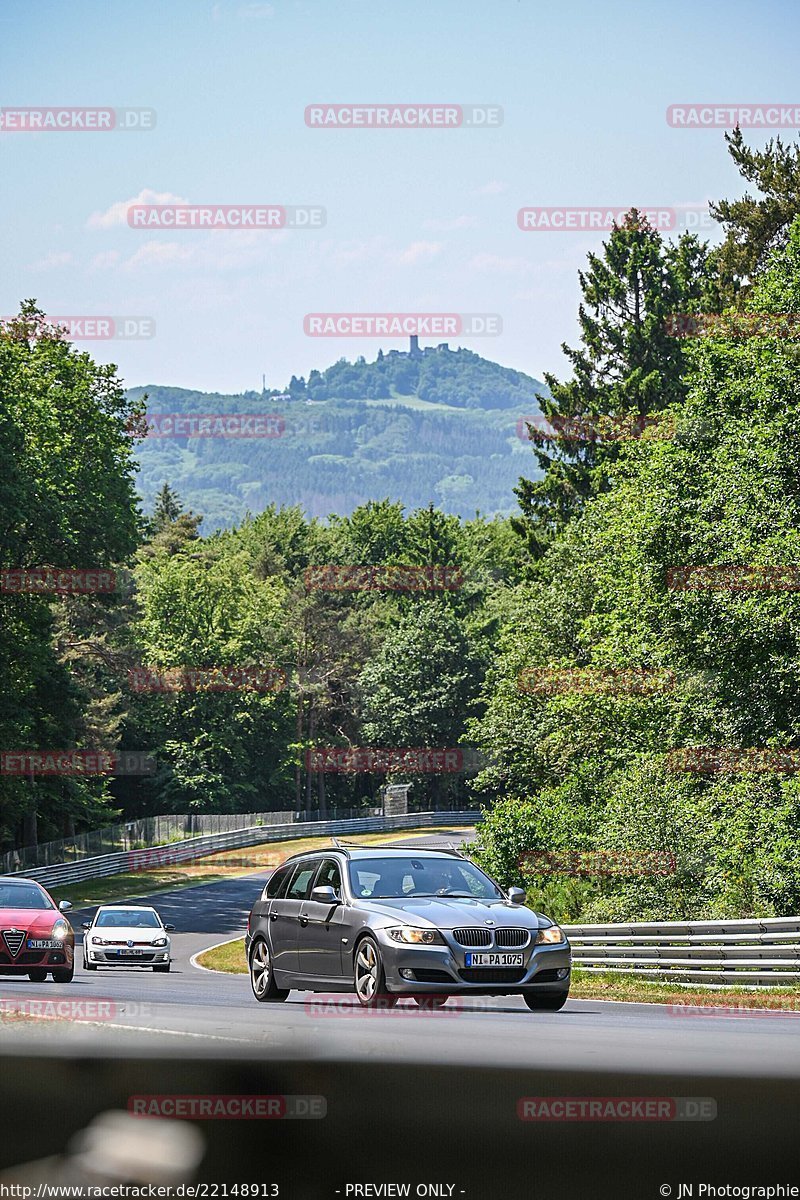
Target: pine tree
(167, 509)
(756, 227)
(629, 367)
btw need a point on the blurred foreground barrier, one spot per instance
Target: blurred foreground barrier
(751, 952)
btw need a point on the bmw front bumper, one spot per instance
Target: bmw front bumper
(418, 969)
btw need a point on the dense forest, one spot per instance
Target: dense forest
(605, 699)
(440, 426)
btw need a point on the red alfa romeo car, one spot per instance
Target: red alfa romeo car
(34, 936)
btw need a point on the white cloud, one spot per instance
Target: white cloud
(158, 254)
(418, 252)
(117, 214)
(446, 225)
(62, 258)
(105, 261)
(493, 188)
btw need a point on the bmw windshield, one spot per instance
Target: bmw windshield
(398, 878)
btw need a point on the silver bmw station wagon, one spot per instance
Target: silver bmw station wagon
(386, 922)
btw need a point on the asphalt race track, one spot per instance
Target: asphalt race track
(141, 1009)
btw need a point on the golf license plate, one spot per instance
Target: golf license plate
(127, 953)
(494, 960)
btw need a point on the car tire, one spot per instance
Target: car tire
(162, 967)
(431, 1001)
(87, 966)
(369, 976)
(542, 1002)
(262, 976)
(37, 976)
(63, 974)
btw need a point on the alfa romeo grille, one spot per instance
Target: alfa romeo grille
(511, 937)
(13, 940)
(473, 937)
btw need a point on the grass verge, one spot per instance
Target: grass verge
(617, 985)
(226, 864)
(229, 957)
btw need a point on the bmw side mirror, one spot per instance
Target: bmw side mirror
(324, 895)
(64, 906)
(169, 928)
(516, 895)
(86, 924)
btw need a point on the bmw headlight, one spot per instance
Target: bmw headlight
(410, 936)
(159, 942)
(551, 936)
(60, 930)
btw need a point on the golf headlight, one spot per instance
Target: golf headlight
(96, 941)
(416, 937)
(160, 942)
(551, 936)
(60, 930)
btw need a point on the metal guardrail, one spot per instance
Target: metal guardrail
(754, 952)
(198, 847)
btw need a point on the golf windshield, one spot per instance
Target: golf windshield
(129, 919)
(395, 878)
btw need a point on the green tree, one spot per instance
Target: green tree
(628, 368)
(754, 227)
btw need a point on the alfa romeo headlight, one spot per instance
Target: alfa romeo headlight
(60, 930)
(416, 937)
(551, 936)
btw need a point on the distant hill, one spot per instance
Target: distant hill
(440, 426)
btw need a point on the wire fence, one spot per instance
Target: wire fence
(155, 831)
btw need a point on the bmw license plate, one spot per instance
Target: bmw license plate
(44, 944)
(494, 960)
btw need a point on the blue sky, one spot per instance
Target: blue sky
(417, 220)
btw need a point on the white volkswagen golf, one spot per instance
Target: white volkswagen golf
(126, 935)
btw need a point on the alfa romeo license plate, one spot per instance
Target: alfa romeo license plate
(43, 944)
(494, 960)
